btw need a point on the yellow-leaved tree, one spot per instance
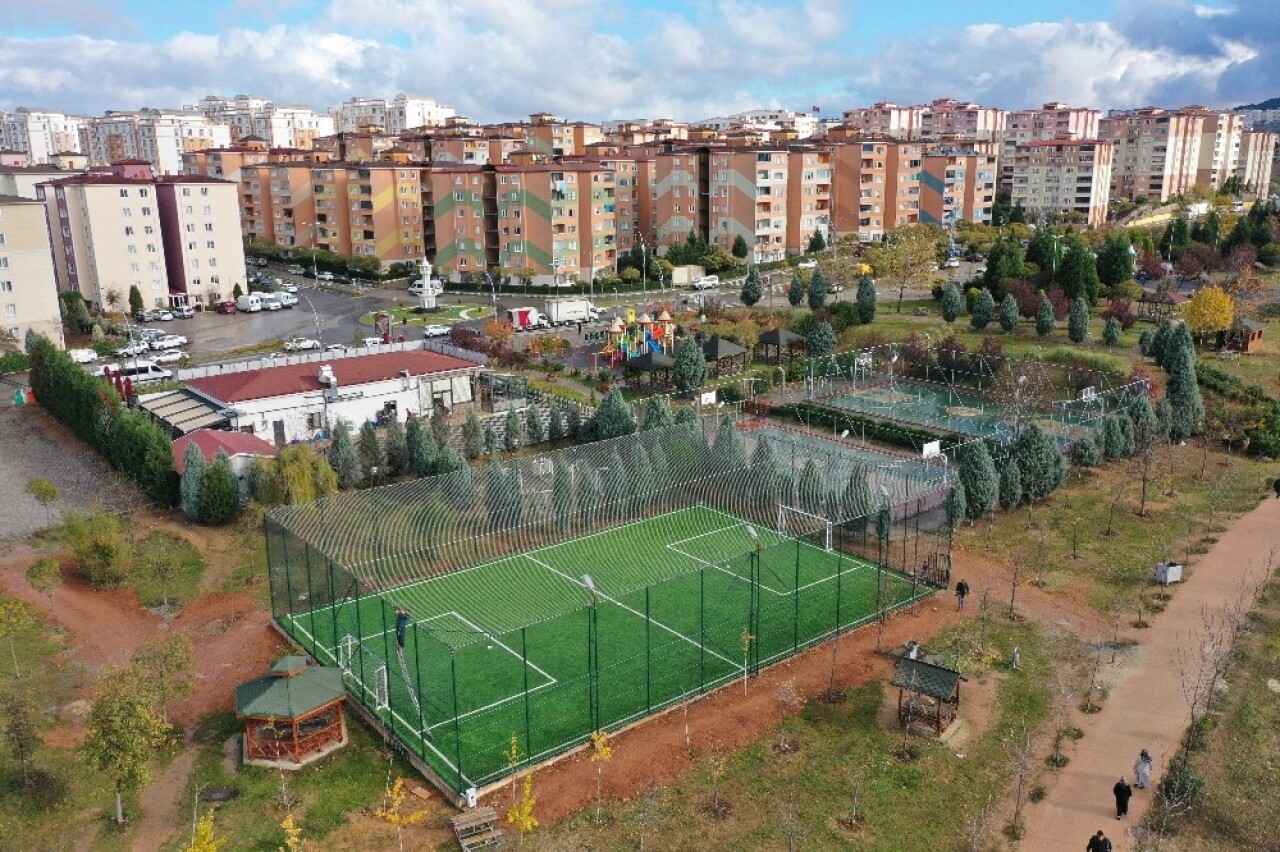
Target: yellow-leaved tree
(393, 812)
(601, 753)
(1209, 311)
(203, 838)
(521, 813)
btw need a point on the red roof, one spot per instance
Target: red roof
(304, 378)
(210, 441)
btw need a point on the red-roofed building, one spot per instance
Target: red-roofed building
(240, 449)
(298, 401)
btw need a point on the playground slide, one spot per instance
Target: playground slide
(654, 346)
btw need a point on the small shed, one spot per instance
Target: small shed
(927, 693)
(724, 357)
(292, 714)
(778, 346)
(1243, 336)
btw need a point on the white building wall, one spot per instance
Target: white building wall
(28, 287)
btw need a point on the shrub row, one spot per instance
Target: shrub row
(1263, 433)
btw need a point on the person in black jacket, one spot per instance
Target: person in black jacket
(402, 624)
(1122, 792)
(962, 592)
(1099, 843)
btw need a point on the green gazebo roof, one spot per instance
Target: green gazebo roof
(289, 691)
(926, 678)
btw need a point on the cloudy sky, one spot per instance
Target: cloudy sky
(602, 59)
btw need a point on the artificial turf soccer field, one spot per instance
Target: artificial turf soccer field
(504, 648)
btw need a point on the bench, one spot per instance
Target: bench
(475, 829)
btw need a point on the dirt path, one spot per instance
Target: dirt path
(161, 803)
(1146, 708)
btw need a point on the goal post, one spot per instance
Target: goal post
(797, 523)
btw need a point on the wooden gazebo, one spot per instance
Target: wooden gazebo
(652, 370)
(1158, 304)
(927, 693)
(292, 715)
(778, 346)
(724, 357)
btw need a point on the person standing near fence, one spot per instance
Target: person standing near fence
(962, 592)
(402, 624)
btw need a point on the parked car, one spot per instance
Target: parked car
(288, 286)
(834, 288)
(952, 263)
(165, 316)
(981, 270)
(295, 269)
(325, 276)
(286, 299)
(148, 315)
(171, 341)
(808, 263)
(168, 356)
(131, 349)
(706, 282)
(435, 330)
(83, 356)
(260, 261)
(184, 312)
(301, 344)
(225, 308)
(270, 301)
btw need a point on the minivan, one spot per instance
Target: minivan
(270, 301)
(287, 300)
(706, 282)
(249, 303)
(138, 370)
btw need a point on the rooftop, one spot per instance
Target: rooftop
(210, 441)
(288, 695)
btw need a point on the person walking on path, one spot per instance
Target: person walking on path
(1142, 770)
(402, 624)
(1099, 843)
(962, 592)
(1122, 791)
(1276, 486)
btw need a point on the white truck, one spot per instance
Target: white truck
(569, 311)
(524, 319)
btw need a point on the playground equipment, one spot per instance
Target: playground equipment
(633, 336)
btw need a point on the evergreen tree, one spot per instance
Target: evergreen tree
(372, 458)
(533, 427)
(342, 456)
(821, 342)
(397, 448)
(766, 480)
(1078, 321)
(1078, 272)
(423, 452)
(588, 495)
(752, 287)
(1111, 331)
(1164, 419)
(219, 492)
(1043, 250)
(136, 305)
(1160, 342)
(866, 299)
(956, 507)
(795, 293)
(439, 426)
(461, 489)
(728, 453)
(640, 473)
(512, 431)
(189, 487)
(817, 242)
(686, 416)
(1112, 439)
(1040, 463)
(817, 290)
(573, 422)
(561, 492)
(1127, 444)
(1044, 318)
(689, 370)
(740, 248)
(1010, 484)
(1115, 260)
(978, 474)
(952, 303)
(1004, 263)
(812, 491)
(657, 414)
(1143, 418)
(617, 486)
(984, 308)
(236, 292)
(490, 439)
(1146, 340)
(857, 502)
(1009, 313)
(614, 418)
(496, 496)
(472, 437)
(1183, 395)
(555, 426)
(1084, 453)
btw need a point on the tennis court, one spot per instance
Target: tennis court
(522, 646)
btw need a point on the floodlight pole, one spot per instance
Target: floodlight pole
(753, 618)
(593, 653)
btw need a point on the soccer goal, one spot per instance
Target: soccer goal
(797, 523)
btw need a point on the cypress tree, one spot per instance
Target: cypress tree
(952, 303)
(1010, 484)
(439, 427)
(1084, 453)
(490, 440)
(686, 416)
(1183, 394)
(978, 473)
(752, 287)
(461, 488)
(817, 290)
(1164, 419)
(1160, 342)
(555, 428)
(472, 437)
(1112, 439)
(1044, 318)
(956, 508)
(1040, 463)
(984, 307)
(397, 448)
(1009, 313)
(370, 449)
(495, 494)
(189, 487)
(573, 422)
(1146, 340)
(533, 427)
(858, 502)
(1078, 321)
(512, 431)
(866, 299)
(795, 293)
(342, 456)
(821, 342)
(689, 370)
(728, 453)
(766, 481)
(617, 486)
(424, 455)
(561, 492)
(1111, 331)
(1143, 418)
(657, 414)
(614, 418)
(812, 491)
(219, 492)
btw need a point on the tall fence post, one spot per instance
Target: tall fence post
(524, 658)
(648, 658)
(702, 628)
(457, 732)
(422, 719)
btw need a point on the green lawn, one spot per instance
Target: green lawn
(503, 648)
(446, 314)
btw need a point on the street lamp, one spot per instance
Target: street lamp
(754, 629)
(493, 290)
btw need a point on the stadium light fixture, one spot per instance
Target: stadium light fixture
(752, 534)
(591, 587)
(844, 434)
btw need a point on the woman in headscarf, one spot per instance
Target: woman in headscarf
(1142, 770)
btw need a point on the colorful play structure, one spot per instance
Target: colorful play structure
(632, 337)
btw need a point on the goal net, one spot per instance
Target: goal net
(797, 523)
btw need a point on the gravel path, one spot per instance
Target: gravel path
(33, 444)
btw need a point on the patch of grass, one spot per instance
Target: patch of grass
(446, 314)
(162, 547)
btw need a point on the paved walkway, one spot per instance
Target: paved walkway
(1146, 708)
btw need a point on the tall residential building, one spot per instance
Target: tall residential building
(279, 126)
(946, 118)
(224, 163)
(556, 138)
(1069, 178)
(385, 203)
(28, 287)
(1157, 152)
(801, 124)
(1049, 121)
(40, 133)
(680, 192)
(200, 231)
(746, 196)
(276, 203)
(23, 180)
(884, 118)
(1257, 156)
(1219, 146)
(332, 207)
(957, 186)
(467, 150)
(877, 185)
(557, 221)
(158, 136)
(457, 239)
(810, 179)
(393, 117)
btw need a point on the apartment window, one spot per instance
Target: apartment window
(458, 196)
(127, 212)
(143, 193)
(207, 210)
(204, 190)
(132, 249)
(148, 230)
(186, 190)
(124, 193)
(208, 226)
(208, 244)
(146, 211)
(189, 210)
(11, 310)
(195, 263)
(151, 248)
(6, 286)
(66, 232)
(135, 268)
(154, 266)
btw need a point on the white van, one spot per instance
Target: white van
(139, 370)
(270, 301)
(706, 282)
(249, 303)
(286, 299)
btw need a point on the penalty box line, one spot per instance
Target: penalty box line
(634, 612)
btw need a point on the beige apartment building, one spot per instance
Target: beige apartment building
(158, 136)
(957, 186)
(40, 134)
(884, 119)
(1049, 121)
(1220, 137)
(810, 178)
(28, 286)
(276, 203)
(1064, 179)
(557, 138)
(23, 180)
(947, 118)
(633, 183)
(200, 231)
(1257, 158)
(1157, 152)
(332, 207)
(680, 184)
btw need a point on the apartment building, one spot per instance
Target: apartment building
(457, 238)
(332, 207)
(559, 222)
(401, 113)
(1220, 137)
(557, 138)
(1254, 169)
(877, 185)
(801, 125)
(280, 126)
(40, 134)
(886, 119)
(1064, 179)
(1157, 152)
(384, 203)
(200, 232)
(633, 184)
(1052, 120)
(23, 180)
(158, 136)
(681, 194)
(946, 118)
(467, 150)
(810, 178)
(277, 204)
(957, 186)
(226, 163)
(28, 286)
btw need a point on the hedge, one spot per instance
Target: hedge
(13, 362)
(1264, 438)
(133, 443)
